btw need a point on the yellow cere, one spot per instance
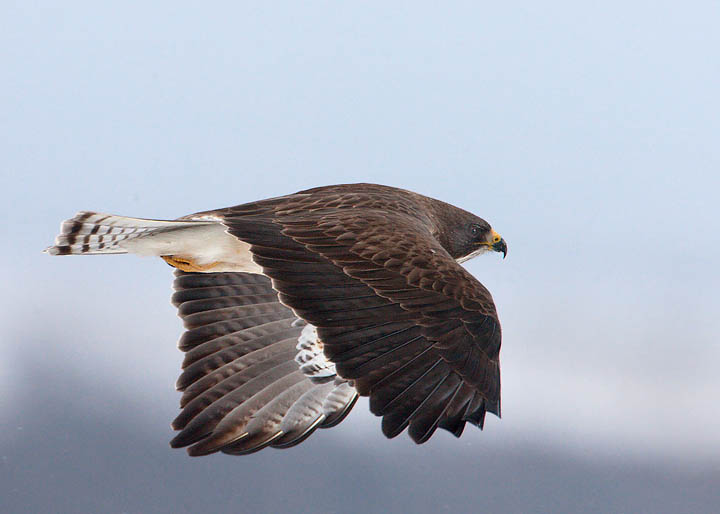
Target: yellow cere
(496, 237)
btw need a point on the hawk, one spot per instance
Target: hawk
(293, 306)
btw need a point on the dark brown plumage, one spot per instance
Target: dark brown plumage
(375, 270)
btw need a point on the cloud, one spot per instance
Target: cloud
(80, 446)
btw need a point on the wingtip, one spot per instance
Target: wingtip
(212, 444)
(197, 450)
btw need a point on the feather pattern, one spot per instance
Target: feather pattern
(295, 305)
(243, 388)
(198, 243)
(97, 233)
(396, 313)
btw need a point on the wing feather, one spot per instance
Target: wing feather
(242, 387)
(396, 314)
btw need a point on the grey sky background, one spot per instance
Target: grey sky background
(587, 135)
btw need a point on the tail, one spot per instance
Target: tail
(91, 233)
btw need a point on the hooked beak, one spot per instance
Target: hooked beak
(501, 246)
(497, 243)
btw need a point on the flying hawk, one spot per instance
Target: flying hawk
(296, 305)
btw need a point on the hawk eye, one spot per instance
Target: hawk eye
(475, 230)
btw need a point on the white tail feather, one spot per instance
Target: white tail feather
(203, 241)
(97, 233)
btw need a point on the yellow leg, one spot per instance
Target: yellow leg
(186, 264)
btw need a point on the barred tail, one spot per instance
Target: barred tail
(95, 233)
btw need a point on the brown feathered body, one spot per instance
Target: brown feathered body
(297, 304)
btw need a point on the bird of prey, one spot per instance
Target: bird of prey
(296, 305)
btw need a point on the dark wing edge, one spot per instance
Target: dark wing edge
(410, 327)
(242, 388)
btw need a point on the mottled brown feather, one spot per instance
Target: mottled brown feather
(348, 262)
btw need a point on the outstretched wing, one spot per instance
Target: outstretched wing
(398, 316)
(243, 388)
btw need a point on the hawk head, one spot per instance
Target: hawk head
(465, 235)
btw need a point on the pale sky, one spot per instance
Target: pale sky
(587, 136)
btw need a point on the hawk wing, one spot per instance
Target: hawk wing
(408, 325)
(243, 387)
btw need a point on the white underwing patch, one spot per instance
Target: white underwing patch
(311, 358)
